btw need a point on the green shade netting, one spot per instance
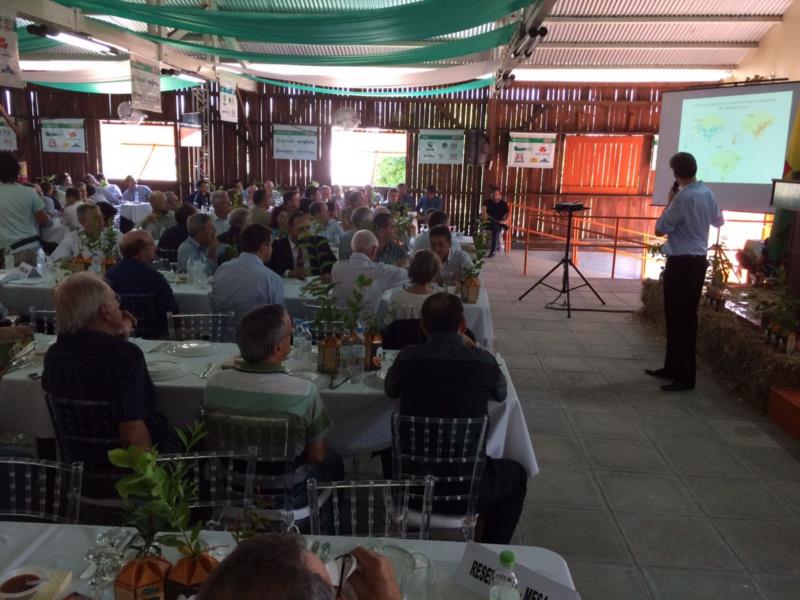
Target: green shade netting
(29, 43)
(409, 22)
(122, 86)
(438, 51)
(461, 87)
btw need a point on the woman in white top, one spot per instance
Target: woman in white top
(405, 303)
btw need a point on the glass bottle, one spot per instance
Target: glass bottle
(329, 354)
(504, 584)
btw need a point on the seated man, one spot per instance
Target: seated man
(134, 275)
(430, 201)
(222, 208)
(161, 219)
(72, 201)
(177, 234)
(200, 196)
(259, 213)
(202, 244)
(92, 359)
(245, 283)
(495, 213)
(423, 240)
(280, 567)
(301, 254)
(323, 224)
(93, 238)
(456, 264)
(361, 219)
(362, 262)
(291, 200)
(405, 197)
(237, 221)
(449, 377)
(389, 251)
(260, 385)
(135, 192)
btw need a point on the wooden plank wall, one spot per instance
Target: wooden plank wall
(244, 151)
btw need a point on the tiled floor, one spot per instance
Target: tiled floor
(646, 494)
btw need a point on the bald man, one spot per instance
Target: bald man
(161, 218)
(345, 273)
(134, 275)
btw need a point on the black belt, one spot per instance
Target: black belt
(23, 242)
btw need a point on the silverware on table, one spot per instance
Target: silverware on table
(326, 550)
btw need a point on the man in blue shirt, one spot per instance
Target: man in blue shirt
(246, 283)
(135, 192)
(430, 201)
(134, 275)
(691, 210)
(202, 244)
(405, 197)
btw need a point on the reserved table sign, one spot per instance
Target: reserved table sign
(479, 563)
(23, 271)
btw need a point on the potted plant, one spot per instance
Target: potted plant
(471, 284)
(158, 497)
(780, 319)
(717, 276)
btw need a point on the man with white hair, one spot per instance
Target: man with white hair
(92, 360)
(361, 219)
(274, 197)
(92, 238)
(202, 244)
(134, 275)
(383, 276)
(222, 208)
(134, 192)
(161, 219)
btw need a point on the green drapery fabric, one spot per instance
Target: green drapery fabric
(461, 87)
(121, 86)
(438, 51)
(409, 22)
(29, 43)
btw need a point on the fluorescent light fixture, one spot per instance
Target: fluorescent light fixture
(191, 78)
(632, 75)
(342, 73)
(81, 42)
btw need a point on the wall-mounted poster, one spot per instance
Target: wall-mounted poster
(63, 135)
(228, 104)
(531, 150)
(295, 142)
(440, 147)
(8, 139)
(9, 51)
(145, 85)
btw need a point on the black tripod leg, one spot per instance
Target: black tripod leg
(545, 276)
(586, 281)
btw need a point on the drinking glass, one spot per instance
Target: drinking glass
(418, 580)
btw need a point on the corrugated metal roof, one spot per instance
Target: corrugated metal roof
(315, 49)
(656, 57)
(124, 23)
(669, 7)
(697, 31)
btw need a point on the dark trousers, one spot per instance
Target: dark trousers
(500, 499)
(683, 285)
(496, 230)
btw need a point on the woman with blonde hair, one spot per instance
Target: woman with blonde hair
(406, 303)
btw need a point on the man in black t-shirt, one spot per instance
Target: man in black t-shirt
(495, 215)
(447, 376)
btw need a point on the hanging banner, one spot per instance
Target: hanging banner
(8, 139)
(295, 142)
(228, 104)
(63, 135)
(531, 150)
(145, 85)
(9, 51)
(440, 147)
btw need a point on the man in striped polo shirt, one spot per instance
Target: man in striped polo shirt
(259, 385)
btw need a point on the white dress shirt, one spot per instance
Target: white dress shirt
(70, 246)
(220, 224)
(457, 266)
(384, 277)
(423, 242)
(69, 218)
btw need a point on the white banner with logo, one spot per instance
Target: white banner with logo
(228, 104)
(531, 150)
(8, 139)
(295, 142)
(10, 75)
(440, 147)
(63, 135)
(145, 85)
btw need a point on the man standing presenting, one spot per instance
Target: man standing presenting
(690, 211)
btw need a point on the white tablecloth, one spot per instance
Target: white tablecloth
(193, 298)
(135, 211)
(63, 546)
(361, 412)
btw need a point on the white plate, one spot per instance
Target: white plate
(163, 372)
(192, 348)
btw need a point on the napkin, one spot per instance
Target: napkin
(334, 568)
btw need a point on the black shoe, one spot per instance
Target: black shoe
(660, 373)
(676, 386)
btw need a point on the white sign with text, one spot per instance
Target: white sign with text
(295, 142)
(479, 564)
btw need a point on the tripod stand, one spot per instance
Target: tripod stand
(565, 263)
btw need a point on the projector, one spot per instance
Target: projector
(569, 207)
